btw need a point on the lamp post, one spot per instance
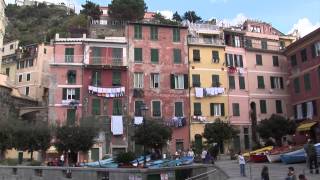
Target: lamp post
(143, 110)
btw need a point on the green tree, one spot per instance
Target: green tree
(5, 138)
(162, 20)
(91, 9)
(218, 132)
(176, 17)
(191, 16)
(154, 135)
(276, 127)
(130, 10)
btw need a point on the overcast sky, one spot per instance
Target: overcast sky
(285, 15)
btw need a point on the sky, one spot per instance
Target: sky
(284, 15)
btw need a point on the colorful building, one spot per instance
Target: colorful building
(158, 77)
(304, 80)
(9, 60)
(208, 78)
(90, 80)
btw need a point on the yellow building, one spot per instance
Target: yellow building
(208, 77)
(9, 60)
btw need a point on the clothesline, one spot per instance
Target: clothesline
(212, 91)
(107, 92)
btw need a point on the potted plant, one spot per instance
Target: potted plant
(124, 159)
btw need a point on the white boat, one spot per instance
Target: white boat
(273, 158)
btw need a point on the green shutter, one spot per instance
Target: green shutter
(186, 81)
(172, 82)
(197, 109)
(242, 83)
(178, 109)
(260, 82)
(235, 109)
(137, 31)
(176, 34)
(137, 54)
(155, 55)
(211, 109)
(95, 106)
(116, 78)
(176, 56)
(232, 84)
(156, 109)
(196, 80)
(117, 107)
(96, 55)
(222, 109)
(263, 106)
(272, 82)
(137, 108)
(307, 83)
(296, 84)
(96, 78)
(153, 33)
(215, 81)
(71, 116)
(77, 93)
(64, 93)
(69, 53)
(278, 106)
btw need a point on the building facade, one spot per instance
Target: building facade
(158, 77)
(90, 80)
(304, 78)
(9, 59)
(208, 78)
(3, 23)
(32, 67)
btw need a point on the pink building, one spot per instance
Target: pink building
(90, 80)
(304, 77)
(158, 77)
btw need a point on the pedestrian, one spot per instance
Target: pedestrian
(265, 173)
(311, 152)
(203, 155)
(291, 174)
(209, 158)
(242, 164)
(62, 160)
(190, 153)
(302, 177)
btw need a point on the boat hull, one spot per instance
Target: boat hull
(273, 158)
(258, 158)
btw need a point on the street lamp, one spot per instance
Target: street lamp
(143, 109)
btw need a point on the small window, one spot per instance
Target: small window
(155, 80)
(137, 108)
(96, 103)
(177, 56)
(263, 106)
(117, 107)
(176, 34)
(275, 60)
(242, 84)
(20, 77)
(258, 59)
(156, 108)
(71, 93)
(278, 106)
(216, 109)
(11, 46)
(196, 80)
(178, 109)
(116, 78)
(138, 80)
(179, 81)
(45, 50)
(71, 77)
(27, 91)
(71, 116)
(293, 60)
(138, 55)
(315, 49)
(215, 56)
(260, 82)
(232, 84)
(296, 84)
(215, 80)
(153, 33)
(197, 109)
(236, 109)
(96, 78)
(155, 56)
(307, 82)
(69, 55)
(248, 43)
(196, 55)
(276, 82)
(137, 31)
(303, 54)
(28, 77)
(7, 71)
(264, 44)
(238, 62)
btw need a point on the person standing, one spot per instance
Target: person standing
(265, 173)
(190, 153)
(62, 160)
(242, 164)
(203, 155)
(311, 152)
(291, 174)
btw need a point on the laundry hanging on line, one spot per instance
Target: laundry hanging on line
(107, 92)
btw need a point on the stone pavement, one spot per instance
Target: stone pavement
(277, 171)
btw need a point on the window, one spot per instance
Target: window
(138, 55)
(155, 80)
(197, 109)
(176, 34)
(153, 33)
(275, 60)
(237, 41)
(117, 107)
(138, 80)
(260, 82)
(196, 80)
(179, 145)
(303, 54)
(156, 108)
(137, 31)
(242, 84)
(11, 46)
(232, 84)
(68, 55)
(229, 60)
(296, 85)
(30, 62)
(44, 50)
(236, 109)
(176, 56)
(282, 45)
(216, 109)
(71, 75)
(96, 106)
(215, 57)
(315, 48)
(264, 44)
(248, 43)
(278, 106)
(276, 82)
(116, 78)
(178, 109)
(21, 64)
(137, 108)
(27, 91)
(20, 77)
(96, 55)
(28, 77)
(238, 62)
(263, 106)
(258, 59)
(196, 55)
(71, 116)
(215, 80)
(155, 56)
(96, 78)
(293, 60)
(179, 81)
(71, 93)
(307, 83)
(117, 55)
(7, 71)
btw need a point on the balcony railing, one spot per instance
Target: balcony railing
(68, 58)
(268, 47)
(114, 61)
(205, 41)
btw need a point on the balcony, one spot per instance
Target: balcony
(205, 41)
(205, 28)
(63, 59)
(257, 45)
(112, 61)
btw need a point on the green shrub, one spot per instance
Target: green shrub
(125, 158)
(35, 163)
(9, 162)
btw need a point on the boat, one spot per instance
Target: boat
(258, 158)
(258, 151)
(98, 163)
(273, 157)
(297, 156)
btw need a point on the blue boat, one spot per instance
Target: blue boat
(99, 163)
(297, 156)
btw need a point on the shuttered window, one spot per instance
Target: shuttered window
(236, 109)
(137, 108)
(303, 54)
(307, 83)
(176, 34)
(178, 109)
(137, 31)
(196, 80)
(275, 60)
(71, 116)
(217, 109)
(96, 55)
(95, 106)
(232, 84)
(176, 56)
(96, 78)
(137, 54)
(215, 56)
(263, 106)
(260, 82)
(153, 33)
(258, 59)
(215, 81)
(116, 78)
(296, 85)
(71, 77)
(242, 84)
(197, 109)
(69, 53)
(278, 106)
(117, 107)
(264, 44)
(196, 55)
(156, 108)
(155, 56)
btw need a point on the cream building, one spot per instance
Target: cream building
(9, 59)
(3, 23)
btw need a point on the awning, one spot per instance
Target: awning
(306, 126)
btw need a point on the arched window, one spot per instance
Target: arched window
(71, 77)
